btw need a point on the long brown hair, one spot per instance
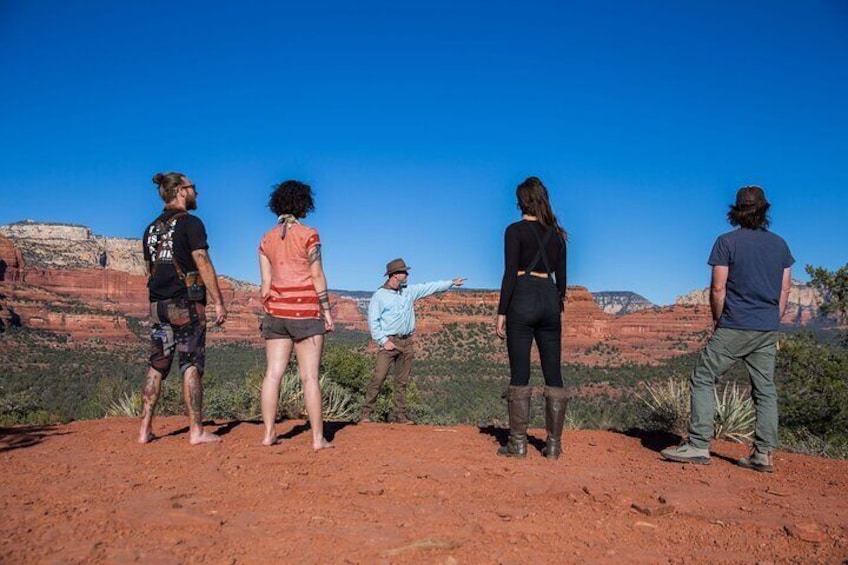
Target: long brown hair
(751, 209)
(533, 200)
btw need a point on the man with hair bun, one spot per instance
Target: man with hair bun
(180, 274)
(750, 286)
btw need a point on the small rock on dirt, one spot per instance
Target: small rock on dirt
(807, 532)
(777, 492)
(652, 510)
(372, 491)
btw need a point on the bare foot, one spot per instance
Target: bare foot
(145, 436)
(204, 437)
(271, 440)
(324, 444)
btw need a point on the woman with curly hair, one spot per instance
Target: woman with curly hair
(297, 309)
(531, 301)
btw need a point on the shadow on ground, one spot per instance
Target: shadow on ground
(330, 430)
(653, 440)
(26, 436)
(501, 435)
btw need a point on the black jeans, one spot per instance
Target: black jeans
(534, 312)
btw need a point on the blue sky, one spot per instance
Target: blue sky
(414, 122)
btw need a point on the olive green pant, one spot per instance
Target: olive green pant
(758, 351)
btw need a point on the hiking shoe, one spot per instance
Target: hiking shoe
(758, 461)
(687, 453)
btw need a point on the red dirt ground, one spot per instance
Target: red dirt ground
(88, 493)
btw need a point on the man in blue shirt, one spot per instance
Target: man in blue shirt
(748, 295)
(391, 319)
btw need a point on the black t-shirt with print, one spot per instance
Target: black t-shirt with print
(188, 235)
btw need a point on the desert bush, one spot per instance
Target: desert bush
(348, 368)
(666, 407)
(801, 440)
(21, 407)
(230, 401)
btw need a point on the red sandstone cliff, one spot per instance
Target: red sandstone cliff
(96, 286)
(11, 261)
(589, 336)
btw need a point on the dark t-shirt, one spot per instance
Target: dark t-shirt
(188, 235)
(756, 260)
(520, 248)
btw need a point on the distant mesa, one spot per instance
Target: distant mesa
(68, 246)
(620, 302)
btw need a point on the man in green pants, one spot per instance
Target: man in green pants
(748, 294)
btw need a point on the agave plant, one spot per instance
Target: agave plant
(337, 403)
(666, 405)
(128, 404)
(735, 415)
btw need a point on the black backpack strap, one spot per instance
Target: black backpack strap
(542, 253)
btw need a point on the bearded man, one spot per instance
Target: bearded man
(180, 274)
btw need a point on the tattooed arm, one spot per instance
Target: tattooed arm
(210, 280)
(319, 281)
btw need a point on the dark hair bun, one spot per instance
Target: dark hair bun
(158, 178)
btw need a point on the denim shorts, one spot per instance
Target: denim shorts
(289, 328)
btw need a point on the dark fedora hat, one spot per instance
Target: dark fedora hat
(396, 266)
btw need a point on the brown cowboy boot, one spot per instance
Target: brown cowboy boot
(518, 406)
(555, 402)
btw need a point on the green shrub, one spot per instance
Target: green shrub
(22, 407)
(801, 440)
(812, 384)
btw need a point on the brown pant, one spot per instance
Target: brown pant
(402, 358)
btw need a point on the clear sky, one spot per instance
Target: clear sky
(414, 122)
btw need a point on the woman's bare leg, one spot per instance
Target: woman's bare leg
(277, 354)
(308, 353)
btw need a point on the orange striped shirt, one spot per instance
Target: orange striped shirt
(292, 292)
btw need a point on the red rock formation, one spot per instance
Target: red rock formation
(590, 336)
(98, 288)
(65, 291)
(346, 313)
(85, 303)
(11, 261)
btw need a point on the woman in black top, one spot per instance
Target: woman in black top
(532, 298)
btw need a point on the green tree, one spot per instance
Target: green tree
(833, 286)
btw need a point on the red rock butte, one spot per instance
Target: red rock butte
(64, 279)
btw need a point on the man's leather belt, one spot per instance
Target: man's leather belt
(402, 336)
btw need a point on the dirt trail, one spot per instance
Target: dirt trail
(87, 493)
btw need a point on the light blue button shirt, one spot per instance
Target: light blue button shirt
(391, 312)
